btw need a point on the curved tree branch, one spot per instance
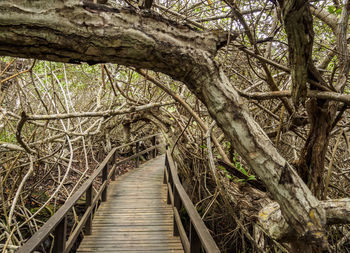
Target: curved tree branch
(178, 99)
(85, 32)
(20, 125)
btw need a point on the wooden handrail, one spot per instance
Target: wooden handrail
(58, 222)
(199, 236)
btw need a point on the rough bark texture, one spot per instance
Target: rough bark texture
(271, 219)
(342, 46)
(312, 159)
(75, 31)
(298, 25)
(299, 28)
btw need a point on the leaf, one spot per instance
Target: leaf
(243, 170)
(251, 177)
(331, 9)
(221, 167)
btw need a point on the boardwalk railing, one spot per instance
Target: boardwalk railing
(199, 236)
(58, 222)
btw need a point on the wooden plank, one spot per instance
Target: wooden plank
(133, 223)
(174, 244)
(141, 248)
(145, 237)
(136, 217)
(133, 251)
(129, 219)
(135, 236)
(108, 230)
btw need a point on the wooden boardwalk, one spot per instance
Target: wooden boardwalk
(135, 217)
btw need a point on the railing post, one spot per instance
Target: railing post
(177, 205)
(165, 180)
(195, 244)
(170, 181)
(168, 200)
(164, 176)
(104, 179)
(154, 142)
(88, 224)
(112, 164)
(60, 236)
(137, 151)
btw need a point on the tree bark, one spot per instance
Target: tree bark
(76, 31)
(299, 28)
(298, 25)
(271, 219)
(312, 159)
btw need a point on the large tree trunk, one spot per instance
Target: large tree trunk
(298, 22)
(76, 31)
(311, 163)
(299, 28)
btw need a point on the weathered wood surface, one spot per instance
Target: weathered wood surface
(136, 217)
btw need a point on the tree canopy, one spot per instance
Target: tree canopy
(273, 75)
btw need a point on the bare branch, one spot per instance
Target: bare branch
(334, 96)
(108, 113)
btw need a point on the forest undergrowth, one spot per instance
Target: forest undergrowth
(259, 122)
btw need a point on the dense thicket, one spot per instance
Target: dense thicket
(273, 76)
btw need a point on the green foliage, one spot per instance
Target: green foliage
(39, 67)
(8, 137)
(41, 196)
(239, 166)
(334, 10)
(171, 109)
(6, 59)
(227, 174)
(135, 75)
(347, 90)
(227, 145)
(44, 214)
